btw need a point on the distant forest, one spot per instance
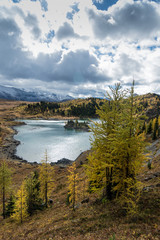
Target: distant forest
(147, 107)
(84, 108)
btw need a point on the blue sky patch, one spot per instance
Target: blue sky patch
(75, 9)
(44, 5)
(70, 15)
(152, 48)
(50, 36)
(16, 1)
(104, 5)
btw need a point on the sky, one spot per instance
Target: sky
(80, 47)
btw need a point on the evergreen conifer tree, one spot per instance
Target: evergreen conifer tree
(155, 128)
(32, 186)
(10, 206)
(149, 127)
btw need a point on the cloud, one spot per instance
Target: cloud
(128, 65)
(10, 48)
(78, 67)
(99, 1)
(131, 21)
(15, 63)
(66, 31)
(79, 47)
(44, 4)
(32, 23)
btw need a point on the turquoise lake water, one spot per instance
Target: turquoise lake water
(37, 136)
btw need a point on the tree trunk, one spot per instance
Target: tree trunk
(74, 189)
(109, 183)
(46, 193)
(21, 206)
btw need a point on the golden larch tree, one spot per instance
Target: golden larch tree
(72, 184)
(20, 212)
(5, 182)
(46, 178)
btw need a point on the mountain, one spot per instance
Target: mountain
(11, 93)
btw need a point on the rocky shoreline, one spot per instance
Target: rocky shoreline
(8, 150)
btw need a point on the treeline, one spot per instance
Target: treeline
(83, 109)
(151, 127)
(42, 107)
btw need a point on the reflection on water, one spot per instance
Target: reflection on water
(40, 135)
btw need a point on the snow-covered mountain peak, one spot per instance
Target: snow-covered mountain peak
(12, 93)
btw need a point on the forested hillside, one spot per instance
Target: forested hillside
(111, 192)
(148, 107)
(80, 108)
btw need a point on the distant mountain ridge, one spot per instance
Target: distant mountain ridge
(11, 93)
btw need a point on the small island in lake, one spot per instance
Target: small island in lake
(77, 125)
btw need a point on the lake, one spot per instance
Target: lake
(37, 136)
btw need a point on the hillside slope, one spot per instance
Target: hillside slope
(94, 219)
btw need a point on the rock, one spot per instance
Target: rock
(62, 162)
(24, 161)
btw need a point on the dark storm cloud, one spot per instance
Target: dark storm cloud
(66, 31)
(10, 49)
(14, 62)
(138, 20)
(72, 68)
(79, 67)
